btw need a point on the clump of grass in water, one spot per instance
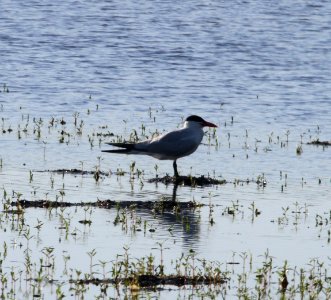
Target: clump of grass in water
(5, 88)
(86, 221)
(263, 281)
(317, 142)
(145, 271)
(299, 150)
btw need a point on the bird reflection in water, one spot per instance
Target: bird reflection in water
(184, 220)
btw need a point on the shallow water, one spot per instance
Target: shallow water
(122, 65)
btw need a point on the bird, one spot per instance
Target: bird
(171, 145)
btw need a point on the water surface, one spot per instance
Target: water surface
(260, 70)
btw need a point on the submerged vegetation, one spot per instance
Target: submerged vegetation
(58, 245)
(317, 142)
(244, 275)
(108, 204)
(127, 274)
(188, 180)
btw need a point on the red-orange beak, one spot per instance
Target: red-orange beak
(208, 124)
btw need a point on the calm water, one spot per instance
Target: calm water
(122, 64)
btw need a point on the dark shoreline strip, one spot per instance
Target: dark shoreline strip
(108, 204)
(319, 143)
(155, 280)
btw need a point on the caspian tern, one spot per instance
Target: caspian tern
(169, 146)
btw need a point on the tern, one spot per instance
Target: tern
(169, 146)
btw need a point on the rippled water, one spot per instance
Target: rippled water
(122, 64)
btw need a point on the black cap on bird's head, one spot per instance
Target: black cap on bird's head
(200, 120)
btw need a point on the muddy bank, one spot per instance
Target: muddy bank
(181, 180)
(320, 143)
(205, 181)
(191, 181)
(108, 204)
(155, 280)
(80, 172)
(188, 180)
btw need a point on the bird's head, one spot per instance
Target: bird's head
(196, 120)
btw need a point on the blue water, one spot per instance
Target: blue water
(122, 64)
(267, 62)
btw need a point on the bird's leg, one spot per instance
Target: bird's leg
(174, 192)
(175, 169)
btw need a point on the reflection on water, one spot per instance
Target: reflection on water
(75, 77)
(185, 223)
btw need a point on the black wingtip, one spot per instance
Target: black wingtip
(122, 145)
(123, 151)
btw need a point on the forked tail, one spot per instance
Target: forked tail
(128, 148)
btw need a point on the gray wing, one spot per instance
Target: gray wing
(174, 144)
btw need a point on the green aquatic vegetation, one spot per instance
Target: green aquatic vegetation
(282, 277)
(286, 281)
(317, 142)
(96, 174)
(59, 294)
(120, 172)
(188, 180)
(262, 279)
(287, 135)
(19, 132)
(146, 272)
(295, 214)
(5, 88)
(91, 255)
(39, 224)
(261, 180)
(75, 115)
(299, 150)
(65, 222)
(263, 276)
(86, 220)
(80, 128)
(132, 172)
(210, 216)
(133, 138)
(233, 209)
(48, 262)
(30, 176)
(254, 210)
(61, 194)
